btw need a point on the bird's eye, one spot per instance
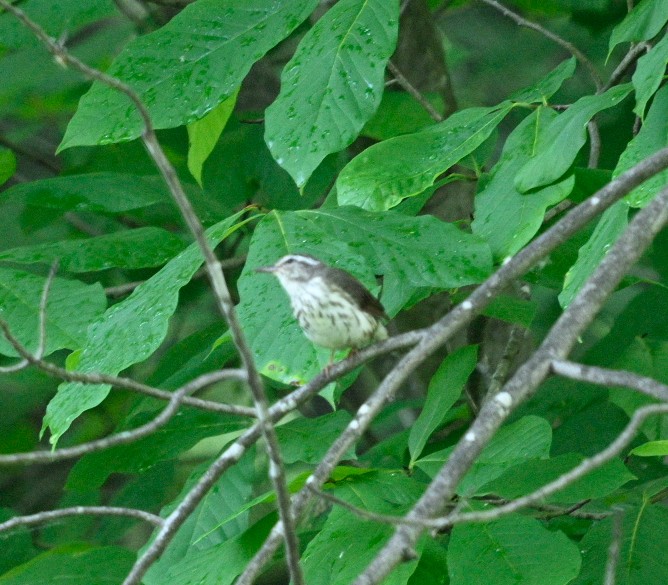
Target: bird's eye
(290, 261)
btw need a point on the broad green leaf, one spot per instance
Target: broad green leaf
(180, 434)
(332, 85)
(17, 546)
(203, 134)
(641, 24)
(138, 248)
(515, 549)
(528, 438)
(649, 74)
(388, 172)
(346, 544)
(559, 142)
(7, 164)
(611, 225)
(410, 252)
(399, 113)
(57, 18)
(504, 217)
(512, 310)
(220, 516)
(643, 545)
(74, 565)
(528, 476)
(308, 439)
(546, 87)
(651, 449)
(184, 69)
(444, 389)
(130, 331)
(652, 137)
(97, 192)
(71, 306)
(219, 564)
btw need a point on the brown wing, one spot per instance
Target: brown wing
(357, 291)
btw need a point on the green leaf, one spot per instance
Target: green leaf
(649, 74)
(308, 439)
(332, 85)
(653, 136)
(528, 438)
(130, 331)
(399, 113)
(346, 544)
(612, 224)
(515, 549)
(184, 69)
(641, 24)
(70, 308)
(410, 252)
(57, 18)
(180, 434)
(74, 565)
(138, 248)
(546, 87)
(512, 310)
(17, 546)
(221, 515)
(444, 389)
(528, 476)
(651, 449)
(387, 173)
(643, 544)
(558, 143)
(97, 192)
(506, 218)
(7, 164)
(203, 135)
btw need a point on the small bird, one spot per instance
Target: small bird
(332, 307)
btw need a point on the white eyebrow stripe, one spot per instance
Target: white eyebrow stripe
(304, 259)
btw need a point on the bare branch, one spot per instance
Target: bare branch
(606, 377)
(572, 49)
(557, 344)
(585, 467)
(423, 101)
(129, 384)
(43, 517)
(614, 550)
(41, 344)
(461, 315)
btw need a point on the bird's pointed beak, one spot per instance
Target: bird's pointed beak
(267, 269)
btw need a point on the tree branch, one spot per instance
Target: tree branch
(606, 377)
(460, 316)
(572, 49)
(557, 344)
(216, 278)
(43, 517)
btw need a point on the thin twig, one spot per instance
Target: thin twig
(43, 517)
(460, 316)
(129, 384)
(615, 549)
(41, 343)
(633, 54)
(408, 86)
(123, 289)
(572, 49)
(594, 144)
(277, 411)
(585, 467)
(607, 377)
(218, 285)
(556, 345)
